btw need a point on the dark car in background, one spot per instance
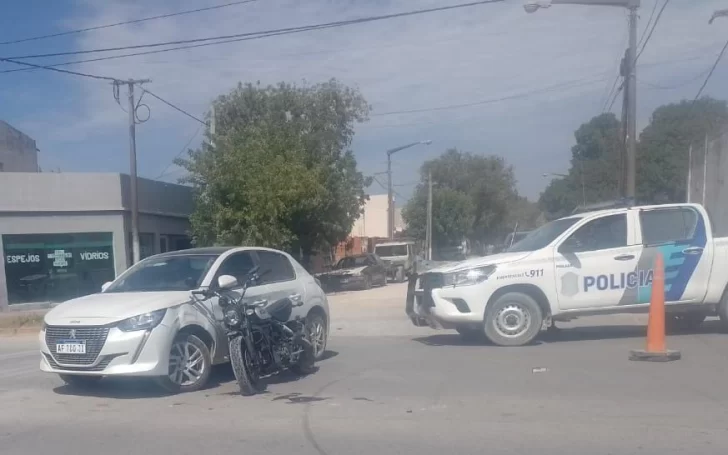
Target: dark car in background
(354, 272)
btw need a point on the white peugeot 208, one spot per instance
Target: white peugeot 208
(147, 322)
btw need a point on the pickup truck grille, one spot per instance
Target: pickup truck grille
(95, 338)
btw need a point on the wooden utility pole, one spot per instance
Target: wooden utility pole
(429, 216)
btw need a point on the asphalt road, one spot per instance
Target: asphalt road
(390, 388)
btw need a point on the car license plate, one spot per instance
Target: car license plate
(71, 347)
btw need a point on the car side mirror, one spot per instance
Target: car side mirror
(105, 286)
(227, 282)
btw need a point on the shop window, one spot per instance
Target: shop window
(57, 267)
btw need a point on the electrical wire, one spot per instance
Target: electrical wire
(75, 73)
(712, 70)
(654, 25)
(184, 149)
(616, 95)
(134, 21)
(649, 21)
(178, 109)
(282, 31)
(551, 88)
(387, 189)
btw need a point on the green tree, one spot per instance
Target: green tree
(662, 160)
(662, 156)
(473, 197)
(281, 173)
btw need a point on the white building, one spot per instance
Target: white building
(373, 222)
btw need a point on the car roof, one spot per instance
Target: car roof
(214, 250)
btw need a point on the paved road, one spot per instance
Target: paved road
(389, 388)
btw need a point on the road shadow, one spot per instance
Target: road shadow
(328, 354)
(576, 334)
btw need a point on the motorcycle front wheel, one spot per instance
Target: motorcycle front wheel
(246, 373)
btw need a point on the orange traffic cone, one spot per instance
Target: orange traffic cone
(656, 350)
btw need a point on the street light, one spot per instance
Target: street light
(631, 82)
(390, 202)
(718, 13)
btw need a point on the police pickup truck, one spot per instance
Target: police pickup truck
(590, 263)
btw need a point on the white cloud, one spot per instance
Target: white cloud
(440, 59)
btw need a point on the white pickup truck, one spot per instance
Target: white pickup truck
(591, 263)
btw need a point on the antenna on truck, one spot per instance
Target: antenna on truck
(513, 236)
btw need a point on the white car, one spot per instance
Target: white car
(146, 322)
(590, 263)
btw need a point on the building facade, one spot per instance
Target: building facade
(63, 235)
(18, 152)
(373, 222)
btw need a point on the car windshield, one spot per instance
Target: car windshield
(352, 261)
(169, 273)
(385, 251)
(543, 236)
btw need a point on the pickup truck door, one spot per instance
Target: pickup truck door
(681, 234)
(595, 266)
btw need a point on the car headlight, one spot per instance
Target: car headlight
(232, 318)
(146, 321)
(470, 276)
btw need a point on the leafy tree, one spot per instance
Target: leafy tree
(662, 160)
(662, 156)
(281, 173)
(473, 197)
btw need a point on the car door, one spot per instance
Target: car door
(680, 234)
(596, 265)
(238, 265)
(279, 278)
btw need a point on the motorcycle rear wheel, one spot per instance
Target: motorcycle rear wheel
(245, 372)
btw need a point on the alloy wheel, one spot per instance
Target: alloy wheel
(186, 363)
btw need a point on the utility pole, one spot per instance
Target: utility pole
(622, 177)
(631, 90)
(429, 216)
(134, 203)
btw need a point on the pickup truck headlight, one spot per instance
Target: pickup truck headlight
(146, 321)
(471, 276)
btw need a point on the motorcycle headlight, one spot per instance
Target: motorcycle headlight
(232, 318)
(471, 276)
(146, 321)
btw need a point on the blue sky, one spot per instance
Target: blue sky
(456, 57)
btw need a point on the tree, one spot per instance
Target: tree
(662, 156)
(473, 197)
(662, 160)
(593, 175)
(280, 173)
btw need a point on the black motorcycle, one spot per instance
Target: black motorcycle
(261, 339)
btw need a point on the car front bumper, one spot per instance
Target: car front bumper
(446, 307)
(110, 351)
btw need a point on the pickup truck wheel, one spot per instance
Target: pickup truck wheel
(723, 310)
(514, 319)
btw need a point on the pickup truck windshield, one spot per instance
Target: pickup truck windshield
(543, 236)
(169, 273)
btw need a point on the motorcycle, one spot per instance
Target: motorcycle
(261, 339)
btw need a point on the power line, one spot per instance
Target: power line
(568, 85)
(649, 21)
(710, 74)
(135, 21)
(384, 187)
(184, 149)
(179, 109)
(616, 95)
(75, 73)
(654, 25)
(282, 30)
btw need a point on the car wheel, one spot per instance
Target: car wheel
(514, 319)
(317, 333)
(189, 365)
(470, 333)
(78, 381)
